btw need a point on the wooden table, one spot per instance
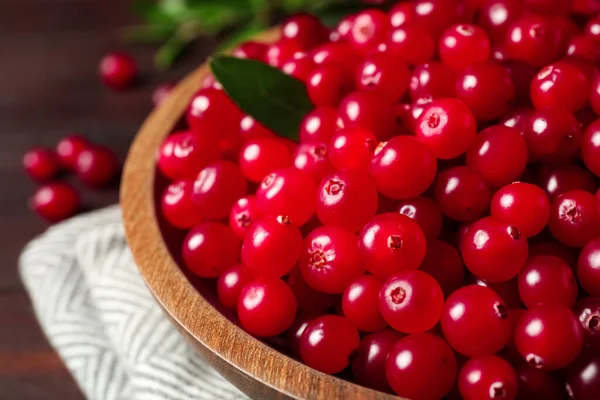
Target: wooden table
(49, 51)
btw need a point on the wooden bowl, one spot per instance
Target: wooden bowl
(253, 366)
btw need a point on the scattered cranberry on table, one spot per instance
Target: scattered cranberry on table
(42, 164)
(118, 70)
(55, 201)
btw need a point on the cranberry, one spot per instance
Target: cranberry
(365, 109)
(97, 166)
(590, 147)
(508, 291)
(369, 29)
(433, 80)
(386, 74)
(352, 149)
(210, 248)
(117, 70)
(261, 156)
(251, 50)
(403, 167)
(328, 84)
(290, 192)
(177, 205)
(68, 150)
(556, 7)
(343, 28)
(319, 125)
(583, 377)
(391, 242)
(425, 212)
(592, 28)
(217, 188)
(281, 51)
(250, 129)
(309, 300)
(230, 285)
(547, 280)
(583, 47)
(443, 263)
(411, 301)
(182, 155)
(494, 250)
(266, 307)
(461, 193)
(475, 321)
(55, 201)
(243, 214)
(161, 92)
(496, 16)
(552, 135)
(336, 53)
(558, 180)
(296, 330)
(549, 337)
(594, 98)
(575, 218)
(421, 366)
(533, 39)
(523, 205)
(487, 89)
(561, 84)
(360, 304)
(41, 164)
(587, 311)
(328, 343)
(587, 7)
(312, 159)
(436, 15)
(487, 377)
(412, 42)
(347, 199)
(368, 368)
(330, 260)
(588, 266)
(300, 66)
(464, 44)
(517, 118)
(305, 29)
(400, 14)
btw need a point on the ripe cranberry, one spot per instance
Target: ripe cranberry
(330, 260)
(217, 188)
(508, 291)
(475, 321)
(533, 39)
(425, 212)
(295, 331)
(266, 307)
(41, 164)
(210, 248)
(496, 16)
(494, 250)
(413, 42)
(328, 84)
(177, 205)
(281, 51)
(250, 129)
(403, 167)
(583, 377)
(400, 14)
(461, 193)
(55, 201)
(558, 180)
(588, 266)
(97, 166)
(343, 28)
(365, 109)
(230, 285)
(391, 242)
(261, 156)
(587, 311)
(447, 127)
(575, 218)
(487, 89)
(583, 47)
(68, 150)
(590, 147)
(300, 66)
(411, 301)
(433, 80)
(312, 159)
(384, 73)
(305, 29)
(443, 263)
(547, 280)
(464, 44)
(421, 366)
(549, 337)
(161, 92)
(352, 149)
(319, 125)
(309, 300)
(487, 377)
(594, 98)
(336, 53)
(346, 199)
(368, 368)
(561, 84)
(290, 192)
(552, 135)
(243, 214)
(436, 15)
(369, 29)
(251, 50)
(118, 71)
(183, 155)
(517, 118)
(523, 205)
(360, 304)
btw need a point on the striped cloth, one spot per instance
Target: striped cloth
(102, 320)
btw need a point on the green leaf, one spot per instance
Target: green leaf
(276, 100)
(168, 53)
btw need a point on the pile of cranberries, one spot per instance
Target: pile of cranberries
(436, 231)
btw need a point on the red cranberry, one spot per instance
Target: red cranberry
(558, 180)
(360, 304)
(343, 28)
(518, 118)
(300, 66)
(461, 193)
(436, 15)
(421, 366)
(369, 29)
(425, 212)
(533, 39)
(443, 263)
(161, 92)
(352, 149)
(401, 13)
(547, 280)
(464, 44)
(290, 192)
(183, 155)
(41, 164)
(243, 214)
(475, 321)
(411, 301)
(250, 129)
(230, 285)
(68, 150)
(549, 337)
(305, 29)
(210, 248)
(319, 125)
(365, 109)
(496, 16)
(384, 73)
(328, 343)
(561, 84)
(217, 188)
(575, 218)
(594, 98)
(281, 51)
(583, 377)
(309, 300)
(587, 311)
(177, 205)
(328, 84)
(336, 53)
(266, 307)
(523, 205)
(433, 80)
(312, 159)
(487, 89)
(412, 42)
(494, 250)
(117, 70)
(590, 147)
(55, 201)
(403, 167)
(552, 135)
(588, 267)
(296, 330)
(391, 242)
(251, 50)
(330, 260)
(487, 377)
(97, 166)
(583, 47)
(261, 156)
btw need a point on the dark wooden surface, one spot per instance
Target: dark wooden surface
(49, 50)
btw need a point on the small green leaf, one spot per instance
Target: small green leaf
(276, 100)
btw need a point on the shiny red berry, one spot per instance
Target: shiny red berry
(41, 164)
(587, 311)
(328, 84)
(55, 201)
(210, 248)
(68, 150)
(365, 109)
(412, 42)
(488, 377)
(556, 180)
(553, 135)
(425, 212)
(177, 205)
(464, 44)
(433, 80)
(217, 188)
(461, 193)
(583, 378)
(305, 29)
(575, 218)
(588, 267)
(360, 304)
(386, 74)
(319, 125)
(352, 149)
(97, 166)
(369, 29)
(183, 155)
(251, 129)
(117, 70)
(230, 285)
(547, 280)
(259, 157)
(243, 214)
(533, 39)
(561, 84)
(590, 147)
(312, 158)
(524, 205)
(251, 50)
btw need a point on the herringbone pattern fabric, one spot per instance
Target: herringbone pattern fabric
(97, 312)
